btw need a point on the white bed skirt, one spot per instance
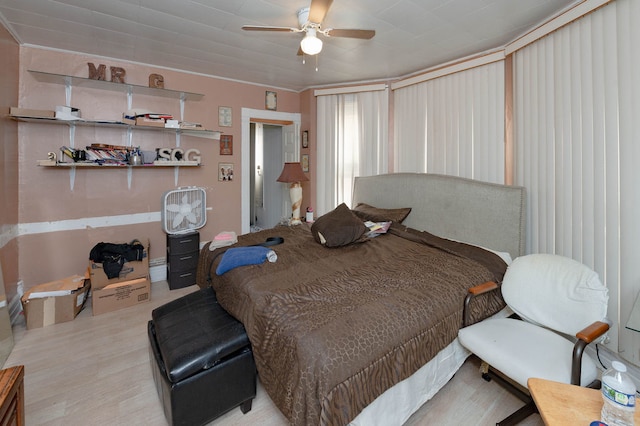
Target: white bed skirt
(398, 403)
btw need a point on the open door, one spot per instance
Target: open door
(290, 154)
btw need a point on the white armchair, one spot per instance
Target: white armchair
(561, 307)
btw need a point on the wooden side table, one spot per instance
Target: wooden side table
(12, 396)
(563, 404)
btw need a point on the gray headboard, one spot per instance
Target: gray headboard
(480, 213)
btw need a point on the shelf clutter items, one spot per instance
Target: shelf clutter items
(104, 154)
(143, 118)
(56, 301)
(128, 286)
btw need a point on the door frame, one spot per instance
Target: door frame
(245, 161)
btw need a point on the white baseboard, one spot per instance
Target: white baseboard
(158, 273)
(15, 309)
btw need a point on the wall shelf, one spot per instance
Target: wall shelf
(129, 90)
(47, 163)
(47, 77)
(206, 134)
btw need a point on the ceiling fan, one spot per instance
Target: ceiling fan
(310, 22)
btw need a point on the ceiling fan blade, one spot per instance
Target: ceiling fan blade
(300, 52)
(267, 28)
(364, 34)
(318, 10)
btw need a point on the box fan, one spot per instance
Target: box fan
(184, 210)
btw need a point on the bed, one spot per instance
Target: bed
(365, 333)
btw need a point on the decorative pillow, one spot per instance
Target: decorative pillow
(339, 227)
(375, 214)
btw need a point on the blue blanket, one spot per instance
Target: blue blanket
(241, 256)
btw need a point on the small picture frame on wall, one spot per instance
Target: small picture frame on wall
(225, 172)
(225, 116)
(305, 139)
(226, 144)
(305, 163)
(271, 100)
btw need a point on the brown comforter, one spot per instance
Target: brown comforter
(332, 329)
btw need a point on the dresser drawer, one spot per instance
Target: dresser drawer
(183, 262)
(177, 279)
(183, 243)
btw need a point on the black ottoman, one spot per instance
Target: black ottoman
(201, 359)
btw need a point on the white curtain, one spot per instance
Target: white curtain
(352, 141)
(577, 145)
(453, 124)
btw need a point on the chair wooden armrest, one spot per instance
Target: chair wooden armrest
(592, 332)
(585, 336)
(473, 292)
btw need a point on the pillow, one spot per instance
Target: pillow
(241, 256)
(339, 227)
(374, 214)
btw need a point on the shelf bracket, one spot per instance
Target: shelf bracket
(129, 136)
(129, 98)
(72, 141)
(72, 178)
(183, 97)
(67, 90)
(129, 176)
(72, 135)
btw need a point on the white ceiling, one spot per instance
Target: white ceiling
(205, 36)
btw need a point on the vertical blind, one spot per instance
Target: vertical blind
(352, 141)
(577, 148)
(453, 124)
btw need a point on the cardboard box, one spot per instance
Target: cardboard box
(128, 120)
(43, 311)
(150, 122)
(129, 271)
(121, 295)
(28, 112)
(67, 112)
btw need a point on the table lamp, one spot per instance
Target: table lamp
(292, 173)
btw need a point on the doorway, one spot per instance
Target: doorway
(267, 195)
(290, 138)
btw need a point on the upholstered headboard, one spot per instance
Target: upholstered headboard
(480, 213)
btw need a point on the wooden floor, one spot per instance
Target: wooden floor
(96, 371)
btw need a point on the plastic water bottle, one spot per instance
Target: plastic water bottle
(619, 396)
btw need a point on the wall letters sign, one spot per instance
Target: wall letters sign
(117, 73)
(99, 73)
(179, 154)
(156, 81)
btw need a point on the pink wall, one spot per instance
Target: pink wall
(46, 194)
(9, 52)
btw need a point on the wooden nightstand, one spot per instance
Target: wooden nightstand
(12, 396)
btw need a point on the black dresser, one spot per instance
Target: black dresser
(182, 259)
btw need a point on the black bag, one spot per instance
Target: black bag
(113, 256)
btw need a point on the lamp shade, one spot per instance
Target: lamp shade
(292, 172)
(311, 44)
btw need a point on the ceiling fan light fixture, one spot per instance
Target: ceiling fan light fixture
(311, 44)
